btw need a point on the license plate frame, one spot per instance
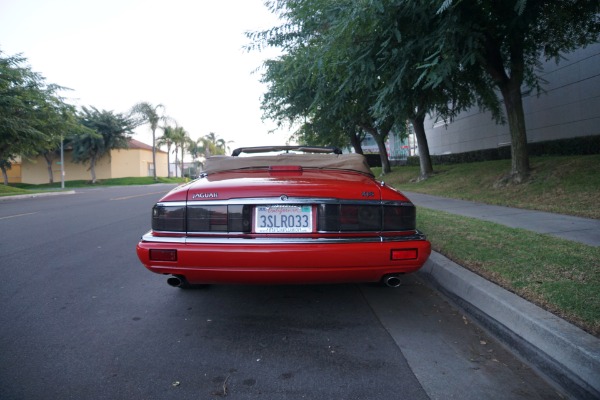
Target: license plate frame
(278, 218)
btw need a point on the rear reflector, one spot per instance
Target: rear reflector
(163, 255)
(404, 254)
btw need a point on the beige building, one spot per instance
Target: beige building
(136, 161)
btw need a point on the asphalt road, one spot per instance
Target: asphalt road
(81, 318)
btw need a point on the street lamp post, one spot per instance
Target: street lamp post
(62, 164)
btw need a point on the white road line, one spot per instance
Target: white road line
(18, 215)
(137, 195)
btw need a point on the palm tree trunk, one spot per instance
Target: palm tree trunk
(154, 152)
(169, 160)
(176, 158)
(182, 150)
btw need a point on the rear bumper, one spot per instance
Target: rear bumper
(289, 261)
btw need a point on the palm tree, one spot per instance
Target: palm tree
(153, 115)
(180, 139)
(194, 150)
(209, 145)
(167, 140)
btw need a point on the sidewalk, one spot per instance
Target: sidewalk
(32, 195)
(581, 230)
(565, 354)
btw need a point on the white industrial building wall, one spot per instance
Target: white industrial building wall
(569, 107)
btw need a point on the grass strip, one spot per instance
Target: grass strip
(560, 276)
(12, 191)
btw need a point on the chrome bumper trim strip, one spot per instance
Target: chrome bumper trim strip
(148, 237)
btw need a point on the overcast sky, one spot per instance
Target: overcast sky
(184, 54)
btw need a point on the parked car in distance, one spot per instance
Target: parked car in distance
(284, 215)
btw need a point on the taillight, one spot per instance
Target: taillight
(360, 218)
(328, 218)
(365, 217)
(399, 218)
(211, 218)
(168, 218)
(239, 218)
(207, 219)
(354, 217)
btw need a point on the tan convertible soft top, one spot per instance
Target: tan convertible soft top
(355, 162)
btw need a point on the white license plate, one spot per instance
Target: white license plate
(283, 219)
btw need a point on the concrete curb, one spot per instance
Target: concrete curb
(565, 354)
(29, 196)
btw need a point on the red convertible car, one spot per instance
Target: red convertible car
(290, 215)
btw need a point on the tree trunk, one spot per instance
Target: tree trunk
(355, 141)
(4, 175)
(93, 169)
(385, 160)
(49, 160)
(510, 87)
(513, 103)
(424, 157)
(380, 140)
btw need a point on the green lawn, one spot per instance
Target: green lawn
(12, 191)
(558, 275)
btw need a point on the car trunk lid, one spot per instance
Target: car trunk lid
(290, 181)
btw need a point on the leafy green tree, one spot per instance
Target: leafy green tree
(337, 76)
(29, 109)
(503, 41)
(105, 131)
(386, 42)
(59, 122)
(407, 59)
(292, 99)
(310, 82)
(152, 115)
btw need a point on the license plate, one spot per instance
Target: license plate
(283, 219)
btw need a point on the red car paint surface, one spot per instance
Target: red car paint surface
(349, 238)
